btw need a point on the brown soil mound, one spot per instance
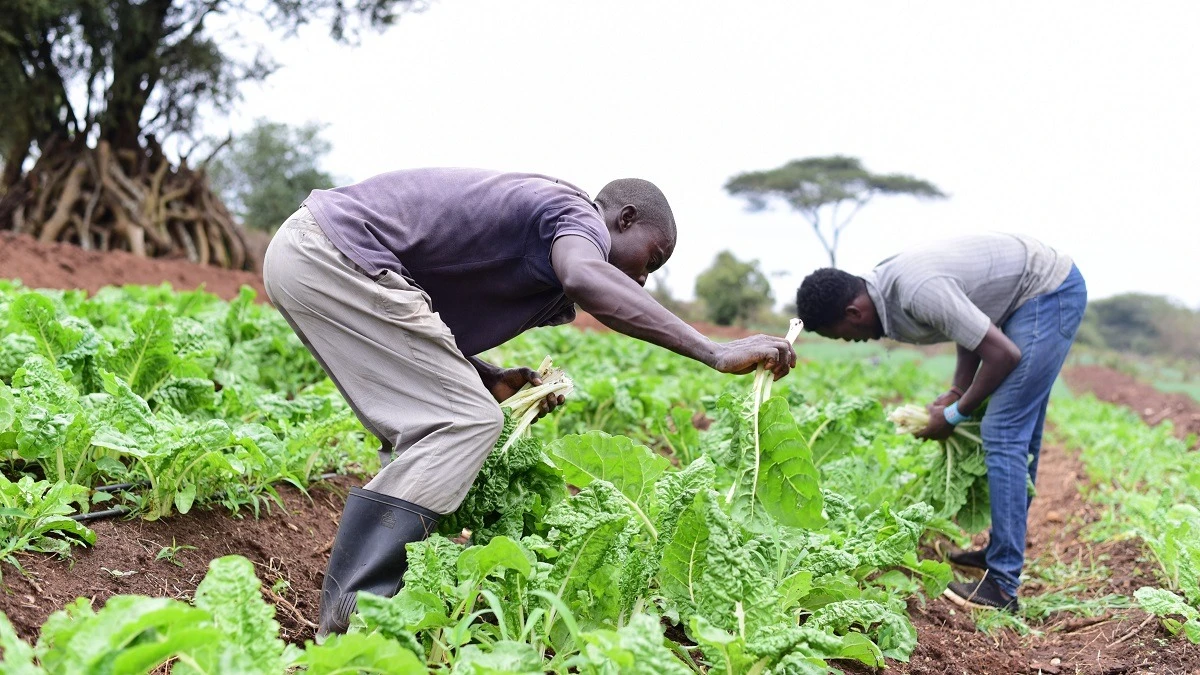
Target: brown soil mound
(1153, 405)
(289, 548)
(42, 265)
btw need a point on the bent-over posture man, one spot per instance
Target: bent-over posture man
(1012, 304)
(396, 283)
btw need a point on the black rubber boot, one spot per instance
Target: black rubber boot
(368, 553)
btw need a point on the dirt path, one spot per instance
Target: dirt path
(1117, 642)
(1153, 405)
(289, 548)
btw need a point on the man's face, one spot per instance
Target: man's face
(640, 250)
(858, 324)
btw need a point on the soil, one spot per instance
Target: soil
(290, 545)
(1118, 641)
(57, 265)
(1153, 405)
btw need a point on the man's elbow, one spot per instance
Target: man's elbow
(582, 283)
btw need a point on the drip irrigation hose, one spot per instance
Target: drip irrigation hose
(124, 510)
(120, 486)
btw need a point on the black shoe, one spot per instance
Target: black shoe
(368, 553)
(976, 559)
(984, 594)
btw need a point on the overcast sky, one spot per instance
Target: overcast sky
(1075, 122)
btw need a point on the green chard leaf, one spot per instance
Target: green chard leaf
(361, 652)
(630, 467)
(231, 593)
(789, 486)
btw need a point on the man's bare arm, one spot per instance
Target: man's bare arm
(965, 368)
(997, 357)
(618, 302)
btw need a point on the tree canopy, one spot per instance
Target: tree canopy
(269, 170)
(818, 187)
(95, 89)
(117, 70)
(733, 290)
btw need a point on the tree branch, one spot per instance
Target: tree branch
(858, 205)
(204, 164)
(814, 218)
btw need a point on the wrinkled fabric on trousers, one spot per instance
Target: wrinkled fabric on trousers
(392, 358)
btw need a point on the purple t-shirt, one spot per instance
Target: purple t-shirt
(478, 242)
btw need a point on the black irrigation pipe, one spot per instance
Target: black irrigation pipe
(124, 510)
(121, 486)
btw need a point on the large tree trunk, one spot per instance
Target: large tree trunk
(136, 69)
(101, 198)
(13, 162)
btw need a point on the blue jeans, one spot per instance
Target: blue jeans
(1043, 329)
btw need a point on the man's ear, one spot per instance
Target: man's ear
(854, 313)
(626, 217)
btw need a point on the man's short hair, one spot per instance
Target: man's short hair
(650, 202)
(823, 296)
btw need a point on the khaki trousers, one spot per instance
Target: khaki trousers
(394, 361)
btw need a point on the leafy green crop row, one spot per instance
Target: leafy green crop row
(1151, 483)
(185, 396)
(767, 536)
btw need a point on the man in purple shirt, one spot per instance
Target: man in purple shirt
(395, 284)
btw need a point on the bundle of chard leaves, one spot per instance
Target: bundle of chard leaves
(957, 484)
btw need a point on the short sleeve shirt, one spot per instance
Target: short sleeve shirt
(953, 290)
(477, 241)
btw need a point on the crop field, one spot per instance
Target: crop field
(667, 519)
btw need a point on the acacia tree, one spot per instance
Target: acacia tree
(95, 88)
(821, 187)
(733, 290)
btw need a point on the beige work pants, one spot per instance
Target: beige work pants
(394, 361)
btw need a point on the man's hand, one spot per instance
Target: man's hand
(939, 429)
(506, 382)
(744, 355)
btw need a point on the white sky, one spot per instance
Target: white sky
(1075, 122)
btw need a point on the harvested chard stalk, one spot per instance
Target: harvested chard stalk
(525, 405)
(517, 482)
(763, 378)
(960, 465)
(912, 418)
(761, 391)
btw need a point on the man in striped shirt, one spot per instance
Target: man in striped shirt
(1012, 305)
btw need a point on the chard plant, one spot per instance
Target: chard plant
(956, 484)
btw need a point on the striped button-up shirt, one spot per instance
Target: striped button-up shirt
(952, 290)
